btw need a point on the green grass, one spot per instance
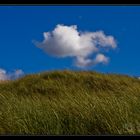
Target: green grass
(70, 103)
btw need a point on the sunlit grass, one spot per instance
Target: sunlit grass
(70, 103)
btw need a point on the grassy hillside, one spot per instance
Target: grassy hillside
(70, 103)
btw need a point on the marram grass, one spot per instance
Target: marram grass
(70, 103)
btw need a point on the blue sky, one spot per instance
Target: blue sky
(20, 25)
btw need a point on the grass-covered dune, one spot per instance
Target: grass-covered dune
(70, 103)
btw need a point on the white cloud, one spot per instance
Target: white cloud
(100, 58)
(16, 74)
(67, 41)
(4, 75)
(83, 62)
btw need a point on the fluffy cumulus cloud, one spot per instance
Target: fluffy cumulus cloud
(67, 41)
(4, 75)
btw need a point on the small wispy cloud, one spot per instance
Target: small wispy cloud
(67, 41)
(4, 75)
